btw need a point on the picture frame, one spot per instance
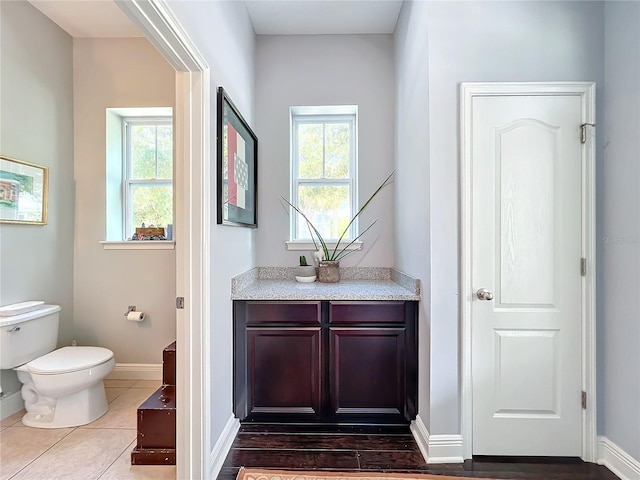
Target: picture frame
(237, 166)
(23, 192)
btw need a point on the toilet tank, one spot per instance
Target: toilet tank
(26, 336)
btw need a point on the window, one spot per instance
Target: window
(148, 173)
(323, 170)
(139, 161)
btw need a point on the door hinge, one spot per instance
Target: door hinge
(583, 131)
(180, 303)
(583, 267)
(584, 400)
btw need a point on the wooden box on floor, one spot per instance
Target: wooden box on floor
(156, 443)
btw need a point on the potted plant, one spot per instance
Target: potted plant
(305, 273)
(329, 263)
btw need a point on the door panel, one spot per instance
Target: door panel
(525, 387)
(367, 371)
(526, 248)
(294, 354)
(527, 150)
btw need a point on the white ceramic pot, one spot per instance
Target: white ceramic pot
(305, 273)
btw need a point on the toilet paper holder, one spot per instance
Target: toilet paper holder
(134, 315)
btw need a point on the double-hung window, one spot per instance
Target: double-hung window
(148, 172)
(323, 170)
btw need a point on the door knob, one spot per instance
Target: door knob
(484, 294)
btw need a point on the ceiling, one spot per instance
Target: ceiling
(104, 19)
(273, 17)
(83, 18)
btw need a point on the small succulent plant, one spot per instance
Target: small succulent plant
(305, 270)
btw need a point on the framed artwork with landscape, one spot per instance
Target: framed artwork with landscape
(237, 166)
(23, 192)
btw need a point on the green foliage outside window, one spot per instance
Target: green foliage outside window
(152, 205)
(150, 174)
(151, 152)
(323, 172)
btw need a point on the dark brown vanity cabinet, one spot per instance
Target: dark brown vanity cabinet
(325, 361)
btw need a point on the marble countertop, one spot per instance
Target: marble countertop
(275, 283)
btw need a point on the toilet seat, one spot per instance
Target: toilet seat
(68, 359)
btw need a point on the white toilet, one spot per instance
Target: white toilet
(61, 388)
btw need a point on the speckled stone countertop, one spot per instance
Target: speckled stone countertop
(278, 283)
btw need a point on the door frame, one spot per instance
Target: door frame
(586, 91)
(192, 230)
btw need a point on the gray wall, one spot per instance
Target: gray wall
(325, 70)
(110, 73)
(619, 231)
(36, 115)
(413, 169)
(222, 32)
(466, 41)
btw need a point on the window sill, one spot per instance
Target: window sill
(309, 246)
(139, 245)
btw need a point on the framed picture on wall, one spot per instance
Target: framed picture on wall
(23, 192)
(237, 166)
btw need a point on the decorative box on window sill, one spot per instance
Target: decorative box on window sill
(150, 233)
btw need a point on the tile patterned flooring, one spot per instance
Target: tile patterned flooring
(100, 450)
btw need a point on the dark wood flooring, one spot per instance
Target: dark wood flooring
(379, 449)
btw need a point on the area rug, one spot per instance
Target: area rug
(264, 474)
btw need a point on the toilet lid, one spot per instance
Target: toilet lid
(69, 359)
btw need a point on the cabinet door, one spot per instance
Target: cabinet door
(367, 371)
(284, 371)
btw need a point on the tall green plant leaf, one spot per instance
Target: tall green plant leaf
(339, 253)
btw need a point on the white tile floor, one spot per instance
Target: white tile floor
(100, 450)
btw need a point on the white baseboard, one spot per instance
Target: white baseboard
(223, 445)
(617, 460)
(445, 449)
(136, 371)
(437, 448)
(11, 404)
(421, 436)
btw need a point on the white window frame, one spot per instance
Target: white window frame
(127, 181)
(330, 114)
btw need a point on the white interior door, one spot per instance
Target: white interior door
(526, 248)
